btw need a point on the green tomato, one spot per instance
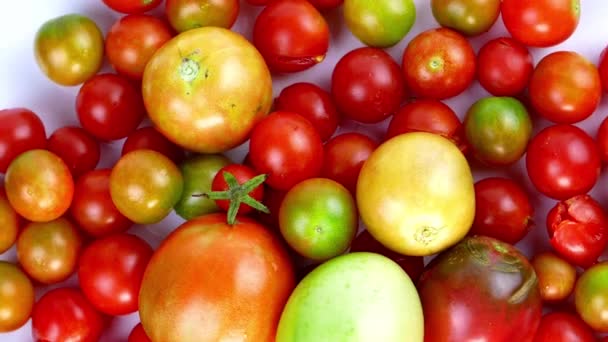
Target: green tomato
(379, 23)
(591, 297)
(469, 17)
(498, 130)
(354, 297)
(318, 218)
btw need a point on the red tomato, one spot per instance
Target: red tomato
(504, 66)
(291, 35)
(344, 156)
(287, 148)
(64, 314)
(313, 103)
(92, 207)
(242, 174)
(272, 199)
(603, 69)
(132, 6)
(258, 2)
(324, 5)
(132, 40)
(110, 272)
(602, 139)
(565, 87)
(148, 138)
(438, 64)
(563, 327)
(20, 130)
(367, 94)
(541, 23)
(109, 107)
(77, 148)
(563, 161)
(138, 334)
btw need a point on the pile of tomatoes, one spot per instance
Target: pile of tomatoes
(352, 209)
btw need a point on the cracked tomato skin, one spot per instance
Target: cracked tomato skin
(206, 88)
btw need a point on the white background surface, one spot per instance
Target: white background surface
(23, 85)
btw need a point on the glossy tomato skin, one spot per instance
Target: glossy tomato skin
(252, 280)
(287, 148)
(9, 221)
(565, 87)
(541, 23)
(602, 139)
(563, 161)
(460, 283)
(16, 297)
(469, 17)
(562, 326)
(556, 276)
(151, 139)
(291, 35)
(64, 314)
(184, 15)
(602, 67)
(132, 6)
(438, 64)
(325, 5)
(504, 66)
(20, 130)
(138, 334)
(369, 94)
(77, 148)
(591, 297)
(242, 173)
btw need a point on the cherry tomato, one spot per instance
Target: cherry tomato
(313, 103)
(16, 297)
(291, 35)
(565, 87)
(132, 6)
(132, 40)
(272, 199)
(541, 23)
(9, 221)
(287, 148)
(20, 130)
(151, 139)
(324, 5)
(591, 297)
(39, 185)
(603, 68)
(504, 66)
(602, 139)
(556, 276)
(502, 210)
(242, 174)
(109, 107)
(110, 272)
(64, 314)
(563, 327)
(138, 334)
(184, 15)
(344, 156)
(438, 64)
(77, 148)
(469, 17)
(92, 207)
(367, 94)
(578, 230)
(563, 161)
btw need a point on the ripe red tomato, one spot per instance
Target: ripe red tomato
(325, 5)
(291, 35)
(602, 139)
(20, 130)
(565, 87)
(541, 23)
(603, 68)
(561, 326)
(132, 40)
(367, 94)
(258, 2)
(313, 103)
(242, 173)
(77, 148)
(563, 161)
(148, 138)
(110, 272)
(138, 334)
(438, 64)
(109, 107)
(132, 6)
(504, 66)
(287, 148)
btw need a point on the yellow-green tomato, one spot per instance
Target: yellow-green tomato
(16, 297)
(69, 49)
(379, 23)
(145, 185)
(318, 218)
(591, 297)
(184, 15)
(469, 17)
(356, 297)
(415, 194)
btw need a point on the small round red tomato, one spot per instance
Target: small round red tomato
(578, 230)
(132, 6)
(110, 271)
(313, 103)
(64, 314)
(591, 297)
(9, 221)
(565, 87)
(367, 85)
(504, 66)
(469, 17)
(324, 5)
(602, 139)
(138, 334)
(242, 174)
(291, 35)
(184, 15)
(39, 185)
(344, 156)
(603, 68)
(16, 297)
(48, 251)
(272, 200)
(77, 148)
(563, 327)
(92, 207)
(556, 276)
(541, 23)
(148, 138)
(132, 40)
(563, 161)
(287, 148)
(438, 64)
(20, 130)
(109, 107)
(502, 210)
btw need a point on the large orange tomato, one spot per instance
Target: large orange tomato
(206, 88)
(209, 281)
